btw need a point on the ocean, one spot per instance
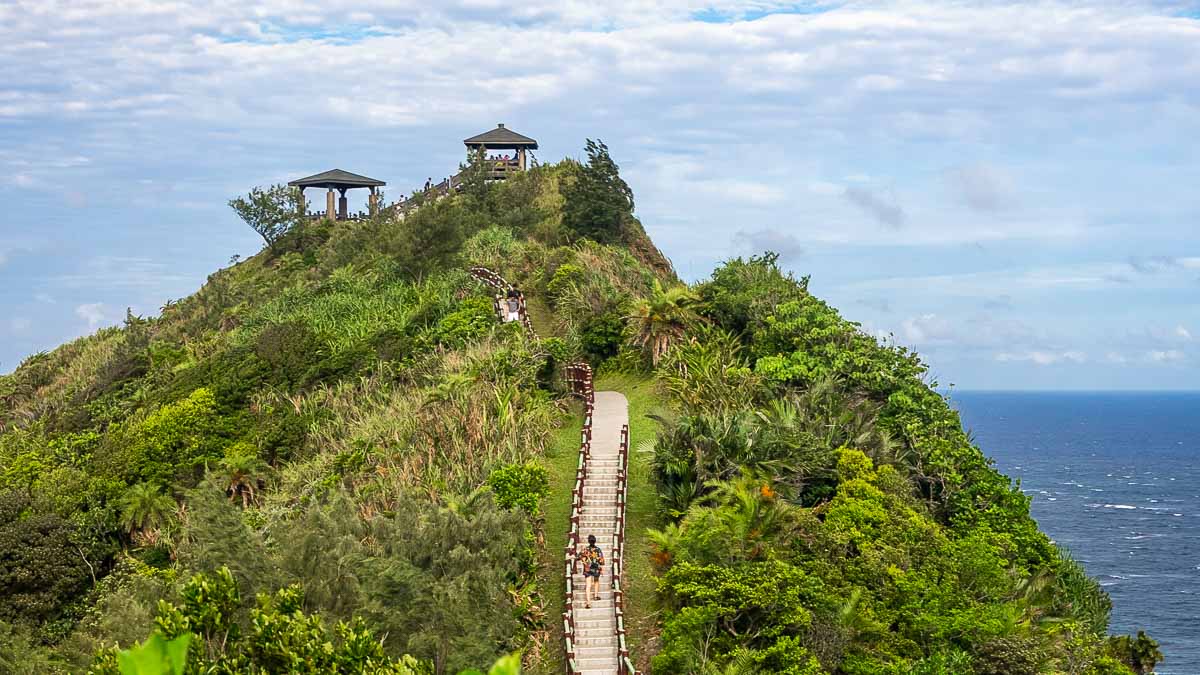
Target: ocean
(1114, 478)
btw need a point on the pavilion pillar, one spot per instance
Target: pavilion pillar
(343, 211)
(373, 202)
(301, 205)
(329, 212)
(521, 158)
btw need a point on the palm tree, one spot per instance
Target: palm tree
(144, 507)
(659, 321)
(242, 468)
(751, 511)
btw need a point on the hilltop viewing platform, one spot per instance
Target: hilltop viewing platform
(489, 147)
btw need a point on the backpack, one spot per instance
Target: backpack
(593, 557)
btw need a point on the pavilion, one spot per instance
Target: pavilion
(339, 180)
(503, 138)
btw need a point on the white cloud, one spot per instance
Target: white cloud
(1012, 281)
(95, 313)
(926, 329)
(1043, 358)
(786, 130)
(1165, 356)
(120, 272)
(1182, 333)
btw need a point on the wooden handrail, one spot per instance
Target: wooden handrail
(579, 381)
(624, 664)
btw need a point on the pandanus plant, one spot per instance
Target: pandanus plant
(145, 509)
(660, 321)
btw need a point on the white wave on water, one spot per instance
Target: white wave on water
(1119, 506)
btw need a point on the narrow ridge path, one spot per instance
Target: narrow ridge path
(596, 648)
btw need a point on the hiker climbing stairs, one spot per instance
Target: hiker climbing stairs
(503, 290)
(594, 636)
(597, 648)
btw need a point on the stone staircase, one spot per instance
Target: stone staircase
(596, 650)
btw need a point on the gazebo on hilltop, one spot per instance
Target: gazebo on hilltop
(336, 179)
(503, 138)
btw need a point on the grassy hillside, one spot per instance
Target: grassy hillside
(334, 458)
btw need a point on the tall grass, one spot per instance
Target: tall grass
(46, 383)
(479, 408)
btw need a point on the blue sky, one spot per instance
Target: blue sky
(1009, 189)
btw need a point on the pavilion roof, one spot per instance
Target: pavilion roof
(501, 138)
(336, 178)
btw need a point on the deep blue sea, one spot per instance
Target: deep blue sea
(1114, 477)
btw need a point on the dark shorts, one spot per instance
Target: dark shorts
(590, 573)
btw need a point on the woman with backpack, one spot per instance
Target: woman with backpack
(593, 564)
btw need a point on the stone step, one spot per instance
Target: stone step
(604, 601)
(598, 631)
(597, 652)
(599, 662)
(592, 613)
(595, 639)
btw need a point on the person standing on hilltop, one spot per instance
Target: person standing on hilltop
(593, 565)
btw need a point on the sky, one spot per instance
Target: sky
(1011, 190)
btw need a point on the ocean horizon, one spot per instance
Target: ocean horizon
(1112, 478)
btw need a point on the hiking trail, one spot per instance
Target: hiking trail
(594, 638)
(597, 640)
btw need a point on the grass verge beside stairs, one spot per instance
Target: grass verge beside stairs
(562, 456)
(640, 598)
(560, 461)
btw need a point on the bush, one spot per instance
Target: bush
(520, 486)
(602, 336)
(473, 319)
(290, 349)
(564, 277)
(41, 570)
(175, 440)
(279, 637)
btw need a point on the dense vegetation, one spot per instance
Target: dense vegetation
(332, 459)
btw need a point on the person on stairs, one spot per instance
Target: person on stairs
(593, 563)
(512, 306)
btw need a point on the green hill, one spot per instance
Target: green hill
(334, 458)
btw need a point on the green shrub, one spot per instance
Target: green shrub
(290, 349)
(41, 571)
(474, 318)
(175, 440)
(602, 336)
(520, 486)
(565, 276)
